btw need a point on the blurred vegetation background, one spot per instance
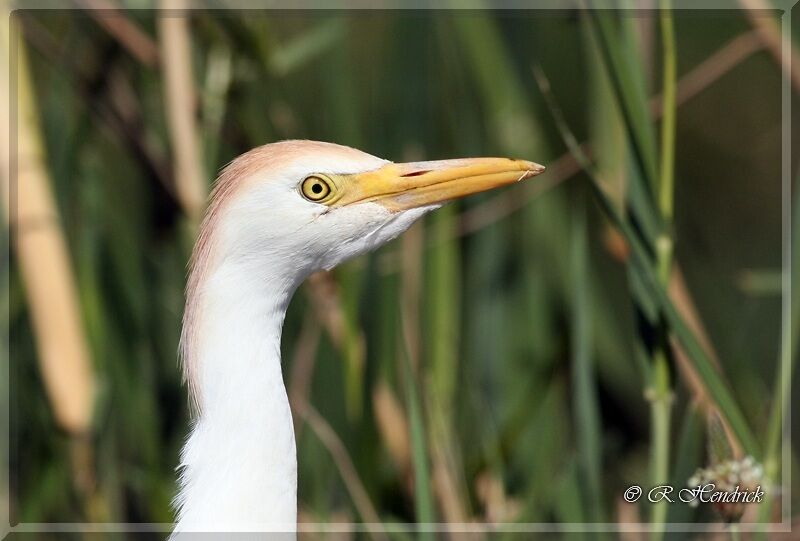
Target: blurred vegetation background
(522, 356)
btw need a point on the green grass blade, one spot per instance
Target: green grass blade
(510, 112)
(350, 279)
(440, 335)
(442, 304)
(307, 46)
(585, 399)
(618, 46)
(620, 51)
(790, 331)
(423, 496)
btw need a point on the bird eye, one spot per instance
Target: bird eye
(315, 188)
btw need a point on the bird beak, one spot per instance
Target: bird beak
(403, 186)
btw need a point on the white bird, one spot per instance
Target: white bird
(277, 214)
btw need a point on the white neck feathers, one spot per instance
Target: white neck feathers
(239, 465)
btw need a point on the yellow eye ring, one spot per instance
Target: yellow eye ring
(316, 188)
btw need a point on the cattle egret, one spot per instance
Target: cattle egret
(277, 214)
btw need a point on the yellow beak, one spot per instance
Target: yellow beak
(402, 186)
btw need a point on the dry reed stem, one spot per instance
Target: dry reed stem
(711, 69)
(411, 246)
(770, 32)
(5, 100)
(679, 292)
(349, 342)
(393, 427)
(324, 293)
(684, 303)
(180, 104)
(326, 302)
(645, 28)
(5, 445)
(446, 473)
(628, 515)
(43, 261)
(347, 470)
(445, 487)
(491, 492)
(443, 478)
(123, 29)
(336, 527)
(84, 479)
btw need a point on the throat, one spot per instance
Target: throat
(239, 465)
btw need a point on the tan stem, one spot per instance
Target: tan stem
(180, 106)
(124, 30)
(759, 13)
(347, 470)
(44, 264)
(392, 423)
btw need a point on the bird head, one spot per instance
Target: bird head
(313, 205)
(284, 210)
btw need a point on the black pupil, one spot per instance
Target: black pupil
(316, 188)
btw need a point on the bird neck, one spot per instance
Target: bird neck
(239, 463)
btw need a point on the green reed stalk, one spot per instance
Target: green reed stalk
(787, 359)
(661, 389)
